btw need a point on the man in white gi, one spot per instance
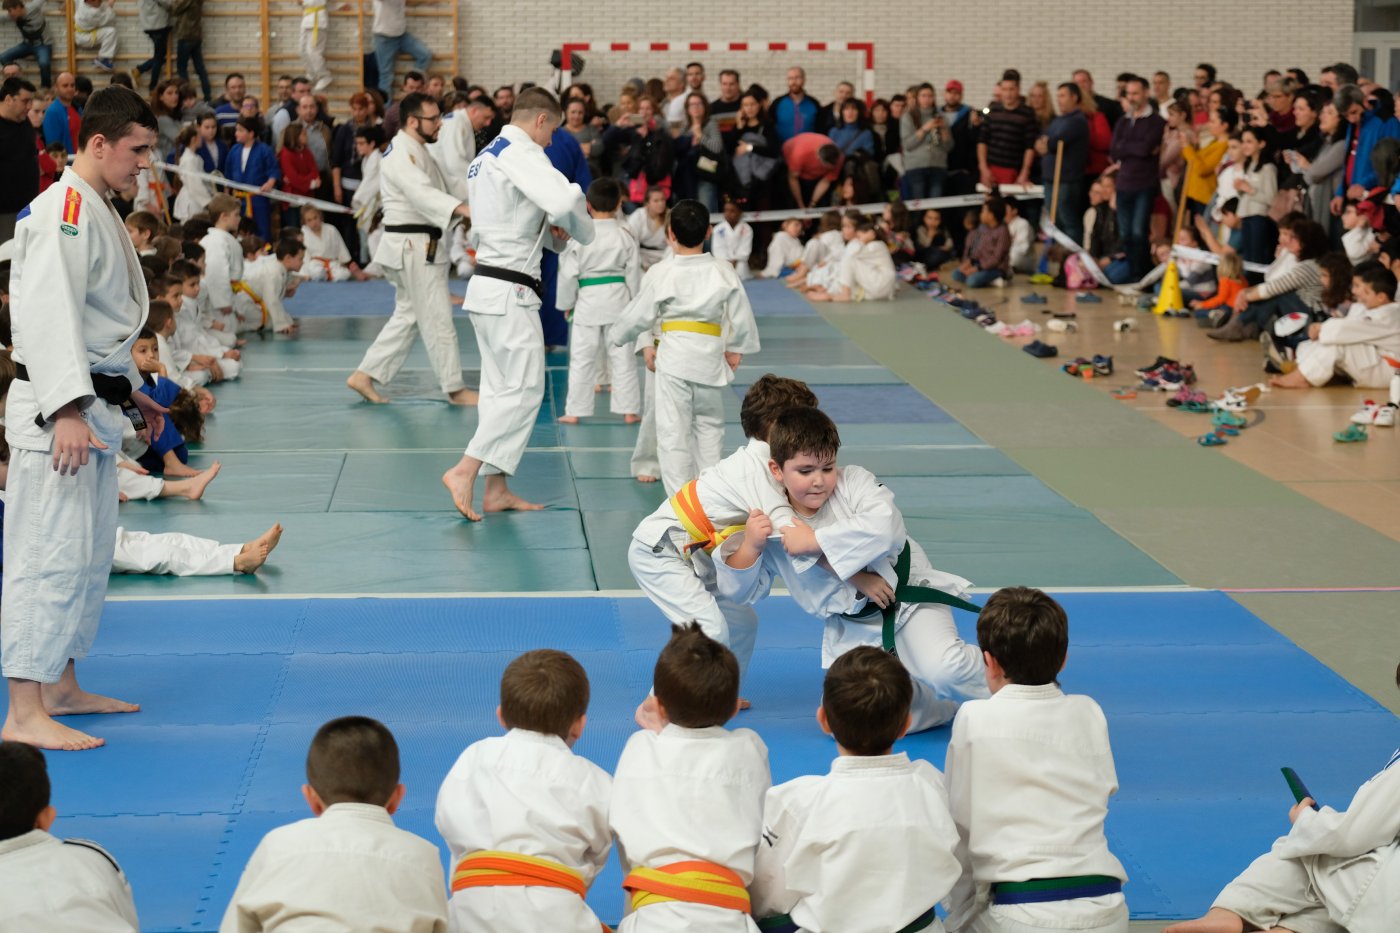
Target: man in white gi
(455, 147)
(522, 205)
(47, 883)
(418, 210)
(78, 303)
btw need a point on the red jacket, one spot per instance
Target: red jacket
(298, 170)
(1100, 138)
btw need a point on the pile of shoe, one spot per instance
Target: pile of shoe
(1086, 368)
(1226, 425)
(1005, 329)
(1370, 415)
(1166, 375)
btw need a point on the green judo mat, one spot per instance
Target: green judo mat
(357, 486)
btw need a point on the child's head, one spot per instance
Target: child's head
(689, 226)
(848, 227)
(993, 212)
(802, 445)
(1188, 237)
(353, 759)
(846, 191)
(933, 219)
(545, 691)
(604, 197)
(161, 318)
(143, 228)
(733, 213)
(1351, 217)
(1232, 267)
(312, 217)
(252, 245)
(290, 253)
(168, 288)
(144, 352)
(187, 273)
(792, 227)
(865, 230)
(696, 679)
(865, 701)
(769, 397)
(1374, 285)
(1024, 636)
(187, 414)
(1335, 271)
(1230, 213)
(368, 139)
(897, 216)
(24, 806)
(1161, 249)
(656, 201)
(224, 212)
(1012, 211)
(830, 220)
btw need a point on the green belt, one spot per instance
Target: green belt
(905, 593)
(1045, 890)
(783, 923)
(601, 280)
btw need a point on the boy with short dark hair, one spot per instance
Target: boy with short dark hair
(706, 328)
(1029, 775)
(987, 253)
(688, 798)
(872, 584)
(870, 845)
(349, 867)
(1355, 346)
(732, 241)
(47, 883)
(596, 282)
(525, 819)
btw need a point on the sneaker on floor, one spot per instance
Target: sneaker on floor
(1103, 365)
(1088, 298)
(1034, 298)
(1385, 416)
(1061, 326)
(1366, 414)
(1040, 350)
(1152, 367)
(998, 282)
(1351, 434)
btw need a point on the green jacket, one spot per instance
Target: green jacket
(187, 17)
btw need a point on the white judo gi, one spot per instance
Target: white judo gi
(644, 459)
(1335, 872)
(866, 848)
(733, 245)
(784, 252)
(688, 296)
(78, 301)
(171, 553)
(454, 150)
(868, 273)
(265, 285)
(312, 43)
(192, 336)
(689, 794)
(350, 868)
(49, 885)
(195, 192)
(516, 195)
(327, 257)
(860, 528)
(528, 794)
(651, 241)
(414, 192)
(94, 27)
(1029, 775)
(684, 587)
(823, 247)
(223, 278)
(828, 274)
(366, 201)
(1352, 346)
(596, 305)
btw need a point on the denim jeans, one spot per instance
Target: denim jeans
(388, 48)
(979, 279)
(1069, 213)
(160, 41)
(1259, 236)
(707, 193)
(1134, 221)
(189, 51)
(43, 54)
(923, 183)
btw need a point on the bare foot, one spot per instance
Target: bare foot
(192, 487)
(506, 501)
(648, 715)
(457, 299)
(60, 701)
(1216, 920)
(463, 397)
(597, 387)
(646, 478)
(459, 481)
(818, 295)
(363, 384)
(44, 732)
(744, 704)
(631, 419)
(180, 470)
(569, 419)
(1293, 380)
(255, 552)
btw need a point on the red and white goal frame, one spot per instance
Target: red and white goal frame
(865, 49)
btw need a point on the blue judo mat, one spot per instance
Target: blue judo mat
(1204, 703)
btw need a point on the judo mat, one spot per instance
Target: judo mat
(1204, 704)
(1204, 701)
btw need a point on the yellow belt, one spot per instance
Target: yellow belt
(241, 286)
(693, 327)
(703, 535)
(247, 198)
(692, 882)
(315, 20)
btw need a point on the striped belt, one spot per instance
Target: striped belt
(691, 882)
(601, 280)
(686, 505)
(490, 869)
(1043, 890)
(693, 327)
(782, 923)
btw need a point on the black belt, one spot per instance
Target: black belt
(114, 390)
(428, 230)
(510, 275)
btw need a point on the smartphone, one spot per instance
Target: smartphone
(1295, 784)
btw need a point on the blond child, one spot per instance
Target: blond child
(784, 251)
(327, 257)
(866, 274)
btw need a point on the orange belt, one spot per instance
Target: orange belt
(686, 505)
(691, 882)
(494, 869)
(241, 286)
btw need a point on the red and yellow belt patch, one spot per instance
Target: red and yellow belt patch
(72, 207)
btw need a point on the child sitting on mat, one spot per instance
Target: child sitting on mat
(47, 883)
(1332, 871)
(687, 804)
(525, 819)
(835, 845)
(1354, 346)
(848, 526)
(1029, 775)
(349, 867)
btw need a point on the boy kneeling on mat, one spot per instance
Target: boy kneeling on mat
(869, 847)
(1334, 872)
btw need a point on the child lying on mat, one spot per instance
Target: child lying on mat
(1333, 872)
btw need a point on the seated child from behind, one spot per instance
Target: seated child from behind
(525, 819)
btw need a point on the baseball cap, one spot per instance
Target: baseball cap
(953, 85)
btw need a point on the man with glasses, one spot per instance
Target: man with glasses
(418, 212)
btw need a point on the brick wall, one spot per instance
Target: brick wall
(510, 42)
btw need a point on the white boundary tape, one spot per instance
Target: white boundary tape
(1020, 192)
(275, 195)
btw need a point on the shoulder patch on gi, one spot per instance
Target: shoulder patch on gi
(72, 207)
(23, 213)
(89, 844)
(497, 146)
